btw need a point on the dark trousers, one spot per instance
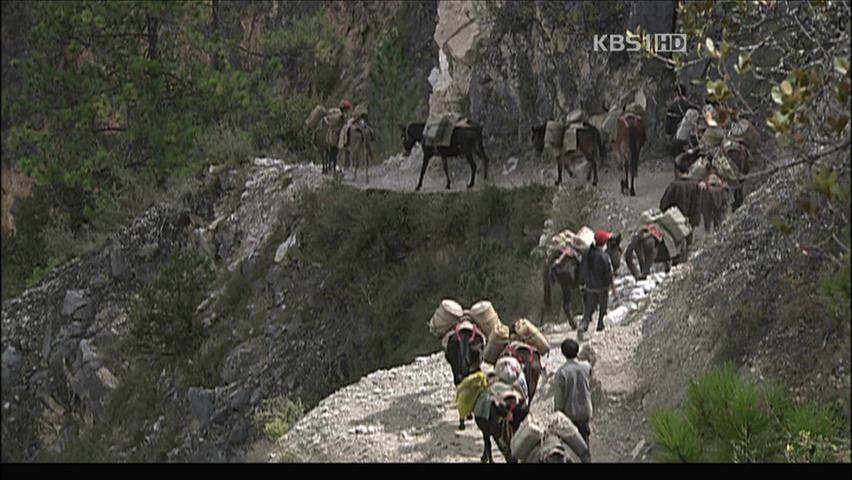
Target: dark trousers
(585, 431)
(594, 301)
(713, 206)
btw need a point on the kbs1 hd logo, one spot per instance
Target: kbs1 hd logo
(658, 43)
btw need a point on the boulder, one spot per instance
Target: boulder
(119, 269)
(239, 398)
(11, 358)
(92, 385)
(88, 352)
(201, 404)
(637, 294)
(107, 378)
(647, 285)
(74, 300)
(616, 316)
(285, 246)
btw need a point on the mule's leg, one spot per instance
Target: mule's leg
(461, 423)
(486, 449)
(738, 199)
(426, 157)
(559, 169)
(547, 281)
(566, 305)
(595, 159)
(446, 170)
(588, 170)
(566, 158)
(472, 163)
(626, 169)
(647, 255)
(632, 184)
(368, 159)
(631, 265)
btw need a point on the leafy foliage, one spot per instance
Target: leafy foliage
(404, 253)
(277, 415)
(394, 99)
(728, 419)
(121, 101)
(163, 318)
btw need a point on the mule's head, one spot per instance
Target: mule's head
(537, 138)
(514, 406)
(614, 249)
(408, 140)
(556, 455)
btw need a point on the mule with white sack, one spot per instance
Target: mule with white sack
(662, 238)
(462, 339)
(568, 140)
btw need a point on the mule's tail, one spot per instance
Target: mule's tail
(633, 140)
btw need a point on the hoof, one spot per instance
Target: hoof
(461, 426)
(594, 184)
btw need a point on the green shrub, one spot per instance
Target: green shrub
(225, 146)
(836, 294)
(24, 254)
(570, 210)
(277, 415)
(392, 257)
(678, 438)
(393, 100)
(728, 419)
(234, 297)
(163, 319)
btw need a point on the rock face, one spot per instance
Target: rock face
(512, 65)
(457, 35)
(735, 305)
(60, 358)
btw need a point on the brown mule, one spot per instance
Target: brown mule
(629, 139)
(589, 143)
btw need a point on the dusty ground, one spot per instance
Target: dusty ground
(407, 414)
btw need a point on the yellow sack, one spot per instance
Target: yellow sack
(468, 392)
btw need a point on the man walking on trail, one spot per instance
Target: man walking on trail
(683, 193)
(596, 277)
(677, 108)
(573, 393)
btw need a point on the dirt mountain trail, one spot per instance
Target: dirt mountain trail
(407, 413)
(400, 173)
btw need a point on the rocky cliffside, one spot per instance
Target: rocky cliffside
(61, 339)
(751, 299)
(512, 65)
(269, 331)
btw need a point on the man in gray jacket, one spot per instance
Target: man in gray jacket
(573, 393)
